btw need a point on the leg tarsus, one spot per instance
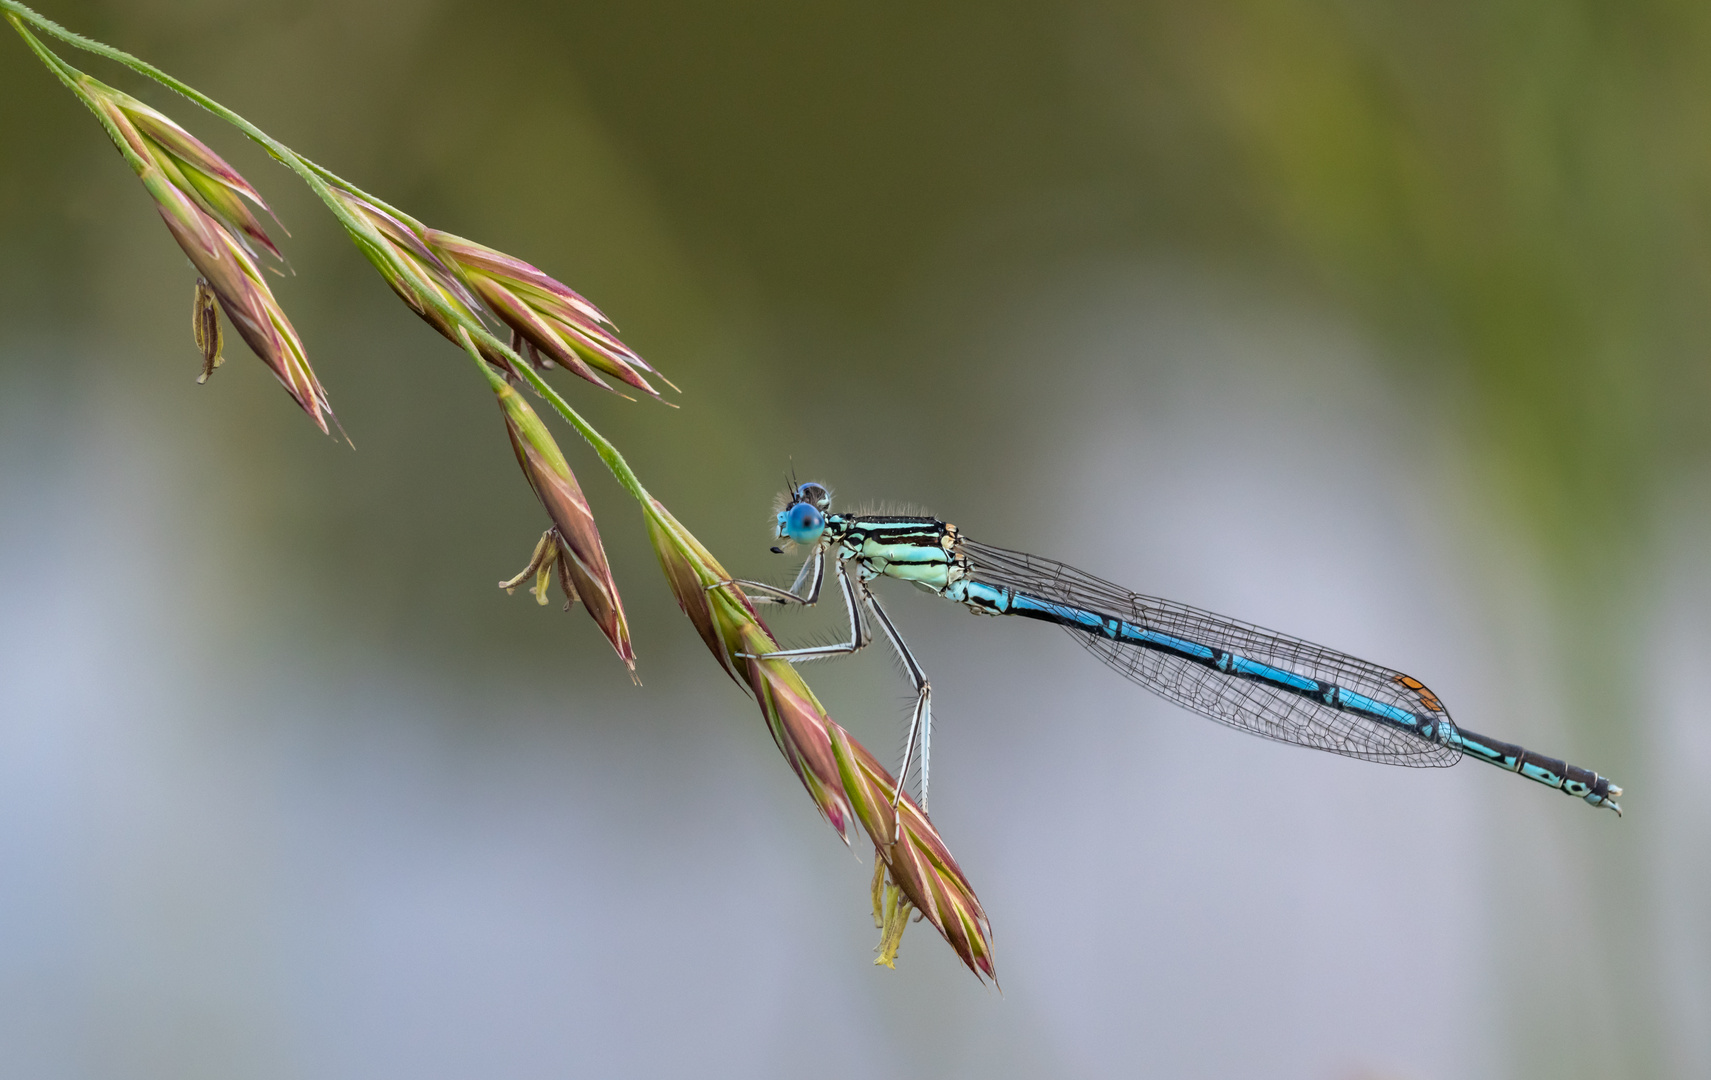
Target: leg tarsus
(759, 592)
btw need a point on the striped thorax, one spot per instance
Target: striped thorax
(921, 550)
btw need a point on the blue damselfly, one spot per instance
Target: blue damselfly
(1250, 678)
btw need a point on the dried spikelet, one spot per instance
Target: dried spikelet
(205, 328)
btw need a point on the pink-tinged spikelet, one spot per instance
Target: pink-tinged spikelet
(201, 199)
(575, 546)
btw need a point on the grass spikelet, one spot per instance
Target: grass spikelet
(202, 201)
(575, 549)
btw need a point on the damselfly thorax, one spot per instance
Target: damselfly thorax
(921, 550)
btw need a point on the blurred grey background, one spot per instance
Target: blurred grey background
(1385, 324)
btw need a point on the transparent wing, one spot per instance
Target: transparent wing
(1251, 705)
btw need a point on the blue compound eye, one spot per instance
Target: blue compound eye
(802, 523)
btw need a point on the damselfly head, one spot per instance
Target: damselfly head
(801, 512)
(802, 523)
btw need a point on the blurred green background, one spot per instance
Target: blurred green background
(1382, 323)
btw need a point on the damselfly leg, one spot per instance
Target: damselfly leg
(759, 592)
(860, 635)
(857, 596)
(920, 723)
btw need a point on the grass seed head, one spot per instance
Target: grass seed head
(573, 544)
(204, 176)
(719, 612)
(198, 196)
(918, 863)
(411, 270)
(561, 326)
(447, 280)
(549, 322)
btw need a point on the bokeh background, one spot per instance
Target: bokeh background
(1385, 324)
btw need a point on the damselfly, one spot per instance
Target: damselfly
(1233, 672)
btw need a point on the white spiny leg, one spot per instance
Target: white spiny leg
(813, 569)
(859, 633)
(920, 723)
(759, 592)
